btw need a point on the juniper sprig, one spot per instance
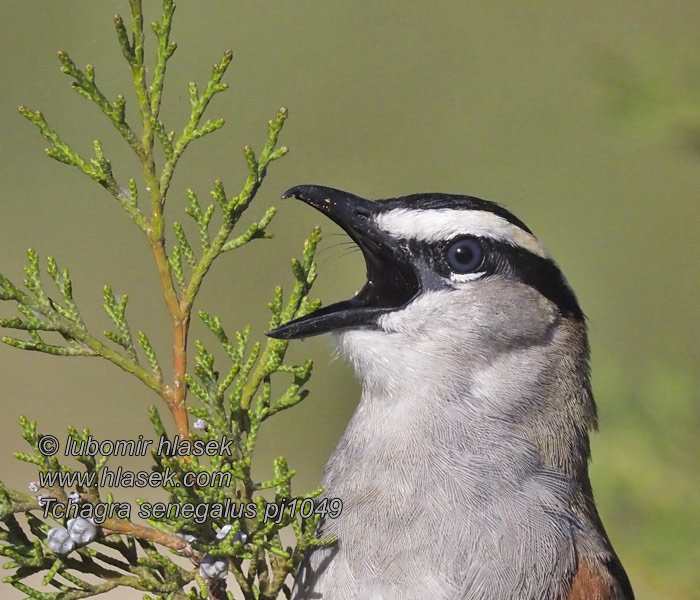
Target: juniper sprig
(104, 548)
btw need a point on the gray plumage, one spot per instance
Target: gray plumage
(464, 470)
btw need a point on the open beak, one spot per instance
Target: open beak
(391, 279)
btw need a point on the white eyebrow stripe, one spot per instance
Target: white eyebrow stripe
(436, 224)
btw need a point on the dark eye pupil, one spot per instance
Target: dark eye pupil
(464, 256)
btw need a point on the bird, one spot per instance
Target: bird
(463, 472)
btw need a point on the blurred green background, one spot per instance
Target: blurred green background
(581, 117)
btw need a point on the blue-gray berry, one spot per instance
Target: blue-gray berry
(213, 567)
(224, 531)
(200, 425)
(59, 540)
(82, 531)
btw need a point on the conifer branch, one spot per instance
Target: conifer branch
(232, 404)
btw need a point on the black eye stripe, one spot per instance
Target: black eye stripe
(541, 274)
(514, 263)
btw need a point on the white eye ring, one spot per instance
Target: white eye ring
(463, 277)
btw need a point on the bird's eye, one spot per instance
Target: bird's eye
(465, 255)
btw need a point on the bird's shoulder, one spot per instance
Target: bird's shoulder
(600, 580)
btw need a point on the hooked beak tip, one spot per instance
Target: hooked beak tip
(273, 333)
(302, 192)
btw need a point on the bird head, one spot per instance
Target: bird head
(438, 265)
(462, 302)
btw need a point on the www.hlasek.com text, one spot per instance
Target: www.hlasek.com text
(120, 477)
(274, 512)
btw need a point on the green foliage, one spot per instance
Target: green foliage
(233, 402)
(652, 490)
(654, 95)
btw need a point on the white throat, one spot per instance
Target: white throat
(444, 454)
